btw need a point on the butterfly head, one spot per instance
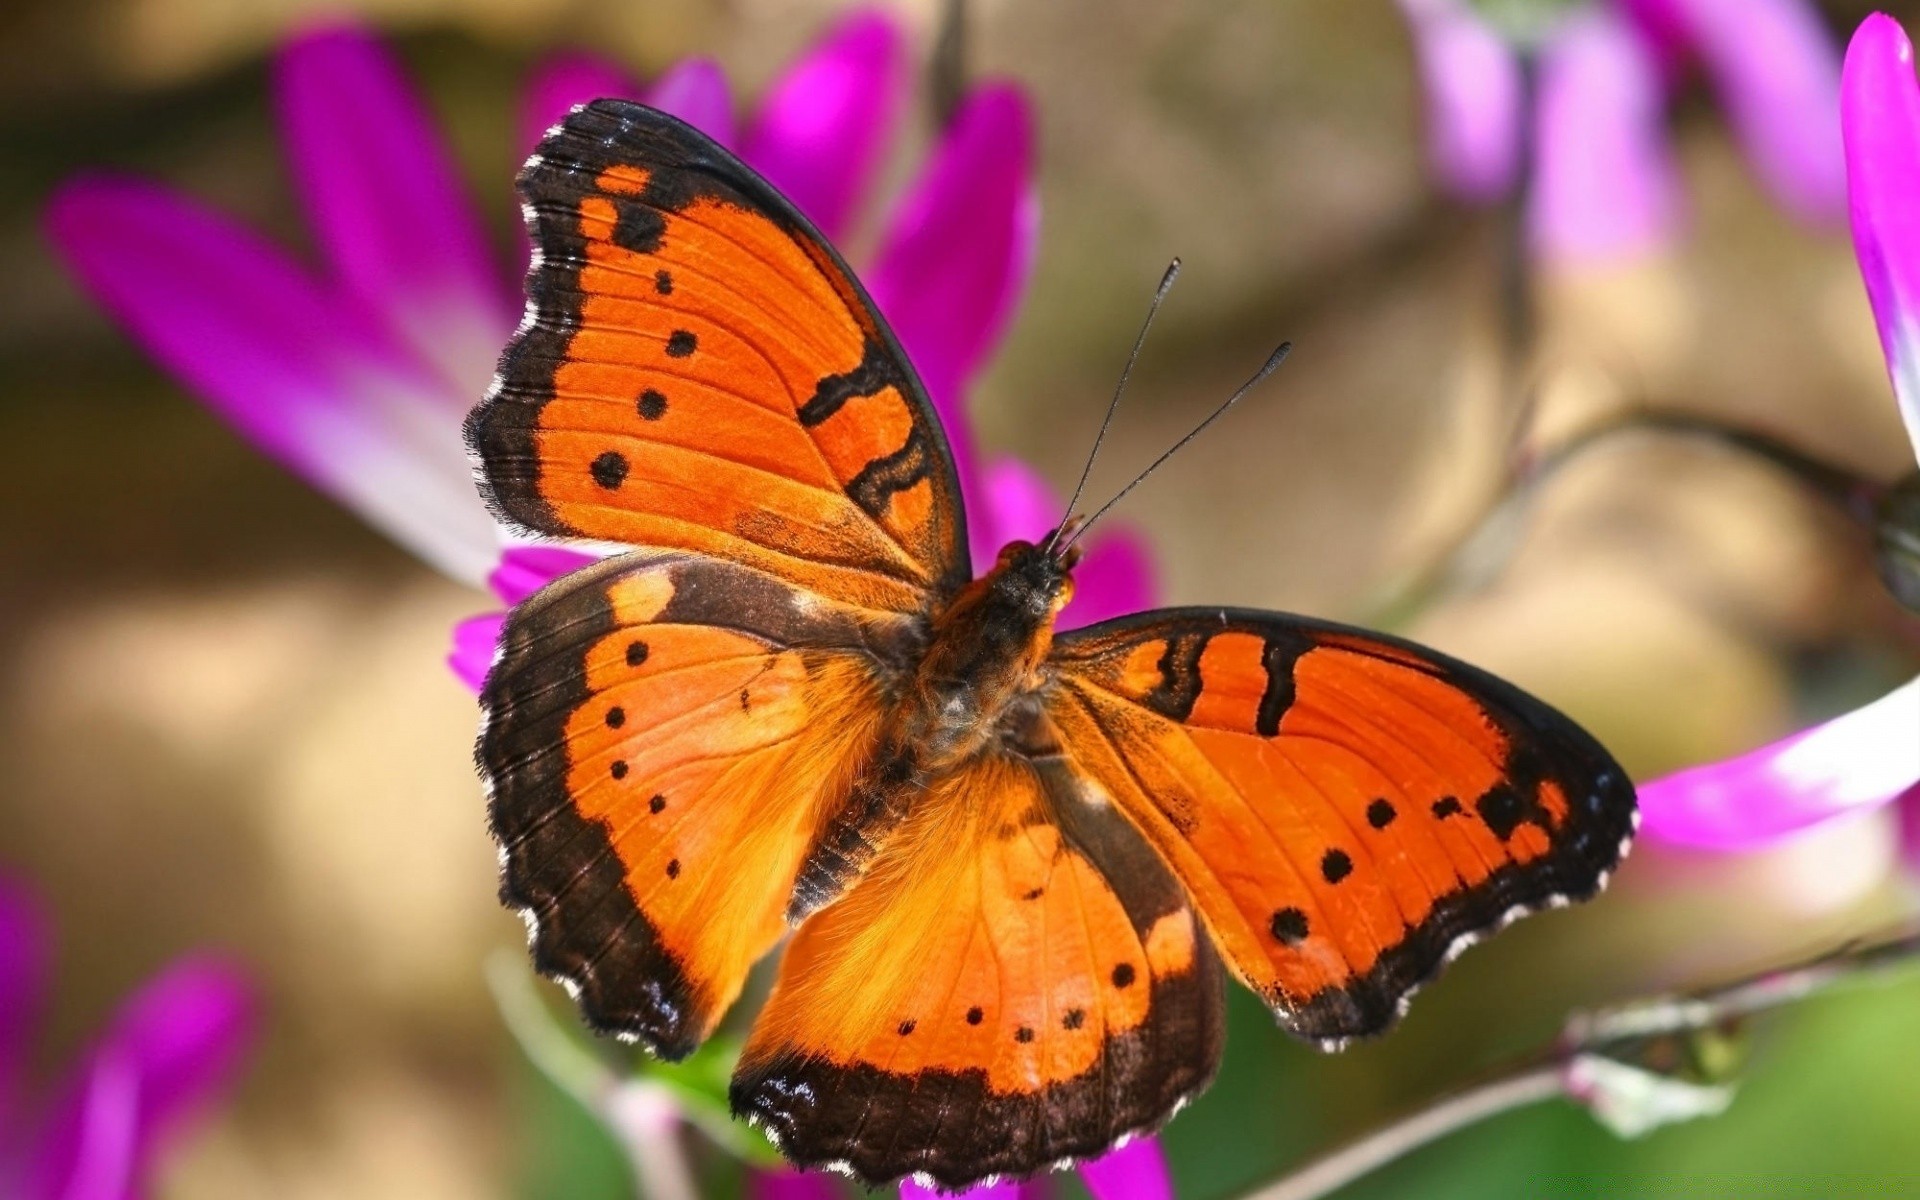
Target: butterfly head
(1034, 578)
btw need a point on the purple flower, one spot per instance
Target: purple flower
(1135, 1171)
(168, 1052)
(1604, 183)
(1871, 756)
(356, 375)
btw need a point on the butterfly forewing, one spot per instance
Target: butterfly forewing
(1346, 810)
(698, 370)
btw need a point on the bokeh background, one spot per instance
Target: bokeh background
(225, 720)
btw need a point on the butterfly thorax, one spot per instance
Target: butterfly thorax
(987, 651)
(982, 666)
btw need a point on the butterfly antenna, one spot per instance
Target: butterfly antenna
(1160, 293)
(1274, 360)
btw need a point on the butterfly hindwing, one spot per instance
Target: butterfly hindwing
(663, 735)
(698, 370)
(1017, 981)
(1346, 810)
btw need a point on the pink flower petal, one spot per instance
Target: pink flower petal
(826, 122)
(1471, 82)
(1115, 579)
(1605, 184)
(1909, 816)
(782, 1184)
(301, 372)
(1778, 75)
(474, 641)
(1880, 121)
(103, 1162)
(387, 205)
(24, 955)
(1014, 504)
(1855, 762)
(1029, 1189)
(524, 570)
(561, 83)
(174, 1046)
(695, 90)
(958, 251)
(1136, 1171)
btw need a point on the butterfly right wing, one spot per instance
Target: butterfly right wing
(664, 736)
(1347, 810)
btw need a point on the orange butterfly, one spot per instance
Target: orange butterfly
(1012, 862)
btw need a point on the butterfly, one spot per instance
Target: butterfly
(1012, 862)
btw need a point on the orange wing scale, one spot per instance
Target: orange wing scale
(698, 371)
(1344, 809)
(1017, 981)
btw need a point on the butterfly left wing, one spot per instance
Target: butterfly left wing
(698, 370)
(1018, 981)
(665, 734)
(1347, 810)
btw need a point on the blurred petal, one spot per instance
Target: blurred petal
(24, 954)
(562, 82)
(303, 374)
(102, 1162)
(1858, 761)
(1015, 503)
(386, 203)
(1136, 1171)
(524, 570)
(1604, 183)
(1471, 82)
(782, 1184)
(1909, 816)
(1777, 73)
(1030, 1189)
(695, 90)
(825, 123)
(1114, 579)
(1880, 119)
(474, 640)
(958, 250)
(174, 1045)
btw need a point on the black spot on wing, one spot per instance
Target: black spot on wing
(609, 470)
(637, 226)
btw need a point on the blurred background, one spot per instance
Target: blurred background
(227, 722)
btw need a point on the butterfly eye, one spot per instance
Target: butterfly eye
(1064, 596)
(1013, 550)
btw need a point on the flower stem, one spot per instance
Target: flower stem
(1456, 1110)
(1483, 543)
(642, 1115)
(947, 75)
(1621, 1032)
